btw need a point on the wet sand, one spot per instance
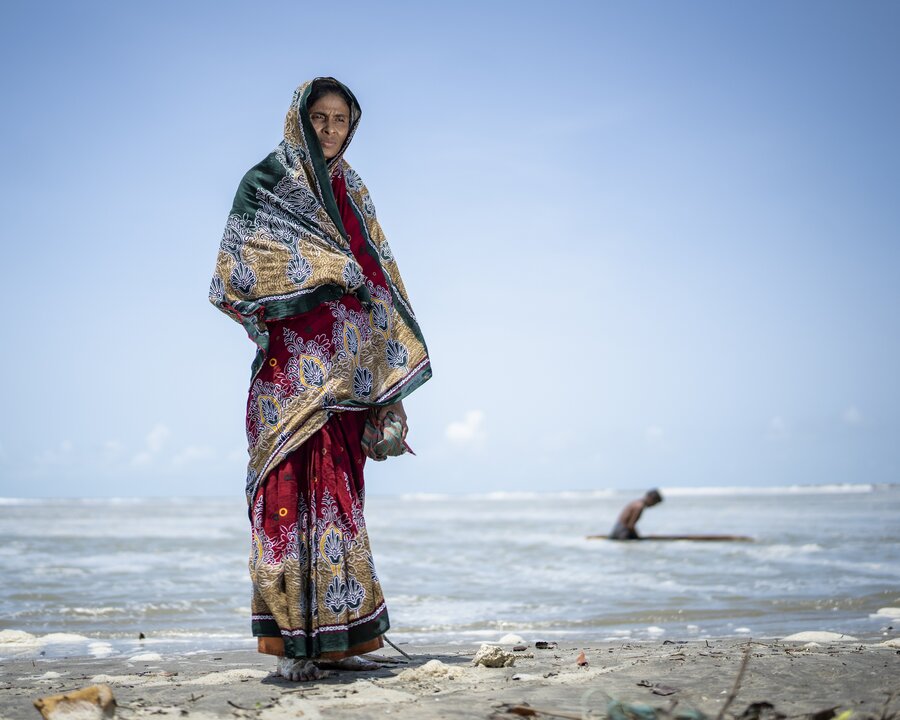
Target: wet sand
(440, 682)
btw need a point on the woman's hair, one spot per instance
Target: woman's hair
(327, 86)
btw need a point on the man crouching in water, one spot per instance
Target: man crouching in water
(626, 526)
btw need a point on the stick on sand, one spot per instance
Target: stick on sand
(737, 684)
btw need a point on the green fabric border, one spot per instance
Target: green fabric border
(371, 250)
(323, 174)
(340, 641)
(265, 174)
(320, 166)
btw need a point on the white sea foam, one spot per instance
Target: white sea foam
(93, 612)
(781, 551)
(21, 638)
(100, 649)
(63, 638)
(18, 641)
(818, 636)
(892, 613)
(145, 657)
(18, 638)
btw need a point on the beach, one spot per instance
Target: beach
(796, 678)
(150, 598)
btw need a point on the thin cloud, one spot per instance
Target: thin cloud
(154, 442)
(852, 416)
(157, 437)
(192, 454)
(62, 453)
(142, 458)
(111, 452)
(468, 431)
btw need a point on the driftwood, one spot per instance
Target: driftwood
(670, 538)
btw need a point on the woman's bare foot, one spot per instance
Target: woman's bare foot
(299, 670)
(354, 662)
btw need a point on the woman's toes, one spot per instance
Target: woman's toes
(354, 662)
(300, 670)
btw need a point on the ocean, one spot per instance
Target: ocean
(91, 576)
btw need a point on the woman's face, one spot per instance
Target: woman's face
(330, 118)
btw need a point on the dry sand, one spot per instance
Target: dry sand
(797, 678)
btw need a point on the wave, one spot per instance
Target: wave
(831, 489)
(606, 493)
(530, 495)
(425, 497)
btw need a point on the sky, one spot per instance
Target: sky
(648, 243)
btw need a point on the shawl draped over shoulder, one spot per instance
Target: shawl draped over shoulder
(285, 252)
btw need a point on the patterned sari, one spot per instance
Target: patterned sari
(305, 268)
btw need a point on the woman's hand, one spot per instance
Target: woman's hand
(398, 410)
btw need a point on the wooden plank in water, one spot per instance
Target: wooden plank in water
(692, 538)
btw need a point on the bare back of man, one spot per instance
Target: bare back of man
(626, 525)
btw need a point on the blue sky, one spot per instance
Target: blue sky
(648, 243)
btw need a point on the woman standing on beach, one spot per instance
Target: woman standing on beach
(305, 267)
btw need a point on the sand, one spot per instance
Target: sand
(441, 682)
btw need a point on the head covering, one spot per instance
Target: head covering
(285, 251)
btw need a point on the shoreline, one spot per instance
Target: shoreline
(797, 678)
(19, 645)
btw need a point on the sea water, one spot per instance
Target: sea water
(93, 576)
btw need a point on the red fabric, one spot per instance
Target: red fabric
(321, 464)
(318, 322)
(343, 432)
(370, 266)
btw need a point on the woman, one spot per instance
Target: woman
(304, 266)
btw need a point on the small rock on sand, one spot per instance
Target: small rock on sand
(493, 657)
(818, 636)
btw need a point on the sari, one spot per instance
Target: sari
(306, 269)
